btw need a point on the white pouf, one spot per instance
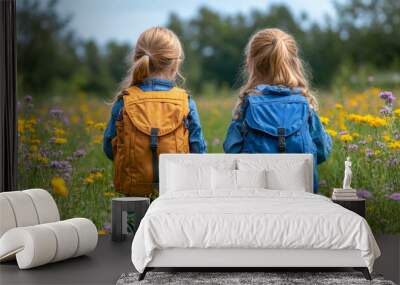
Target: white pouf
(31, 232)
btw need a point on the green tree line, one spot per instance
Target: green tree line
(52, 59)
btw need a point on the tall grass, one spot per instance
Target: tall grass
(60, 149)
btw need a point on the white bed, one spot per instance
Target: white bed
(215, 211)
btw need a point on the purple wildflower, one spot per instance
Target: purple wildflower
(107, 227)
(352, 147)
(56, 112)
(60, 164)
(393, 162)
(97, 169)
(380, 144)
(28, 99)
(66, 121)
(363, 142)
(364, 194)
(369, 152)
(386, 111)
(394, 196)
(341, 133)
(80, 152)
(387, 96)
(397, 135)
(63, 167)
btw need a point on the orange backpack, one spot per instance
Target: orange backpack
(153, 122)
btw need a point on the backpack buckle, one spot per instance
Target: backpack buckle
(154, 138)
(281, 140)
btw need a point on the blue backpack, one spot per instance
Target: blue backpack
(277, 123)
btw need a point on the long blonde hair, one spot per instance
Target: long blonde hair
(157, 51)
(272, 58)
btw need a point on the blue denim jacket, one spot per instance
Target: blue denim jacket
(311, 138)
(197, 142)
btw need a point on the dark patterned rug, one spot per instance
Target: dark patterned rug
(243, 278)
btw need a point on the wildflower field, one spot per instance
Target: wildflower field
(60, 149)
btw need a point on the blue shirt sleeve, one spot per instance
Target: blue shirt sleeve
(234, 138)
(110, 132)
(320, 137)
(197, 142)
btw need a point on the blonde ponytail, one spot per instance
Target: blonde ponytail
(272, 58)
(141, 69)
(158, 51)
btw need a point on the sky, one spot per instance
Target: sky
(124, 20)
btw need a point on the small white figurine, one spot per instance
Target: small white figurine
(347, 174)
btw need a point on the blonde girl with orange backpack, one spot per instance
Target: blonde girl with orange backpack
(151, 115)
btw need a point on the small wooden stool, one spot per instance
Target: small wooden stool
(127, 208)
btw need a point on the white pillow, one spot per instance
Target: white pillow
(224, 179)
(293, 179)
(251, 178)
(188, 177)
(282, 174)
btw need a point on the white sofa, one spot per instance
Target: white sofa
(31, 231)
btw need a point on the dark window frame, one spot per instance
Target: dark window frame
(8, 97)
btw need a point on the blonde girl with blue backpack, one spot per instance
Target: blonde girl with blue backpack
(276, 111)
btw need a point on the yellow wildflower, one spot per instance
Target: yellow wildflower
(397, 112)
(100, 126)
(394, 145)
(339, 106)
(84, 108)
(34, 148)
(376, 122)
(98, 140)
(89, 180)
(89, 123)
(60, 141)
(98, 174)
(102, 232)
(59, 187)
(387, 138)
(331, 132)
(346, 138)
(21, 125)
(109, 194)
(355, 135)
(42, 159)
(354, 118)
(34, 141)
(324, 120)
(32, 121)
(59, 132)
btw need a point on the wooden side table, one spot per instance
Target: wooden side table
(127, 212)
(356, 205)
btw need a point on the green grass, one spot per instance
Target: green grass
(88, 180)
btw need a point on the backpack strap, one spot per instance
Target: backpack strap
(281, 140)
(154, 156)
